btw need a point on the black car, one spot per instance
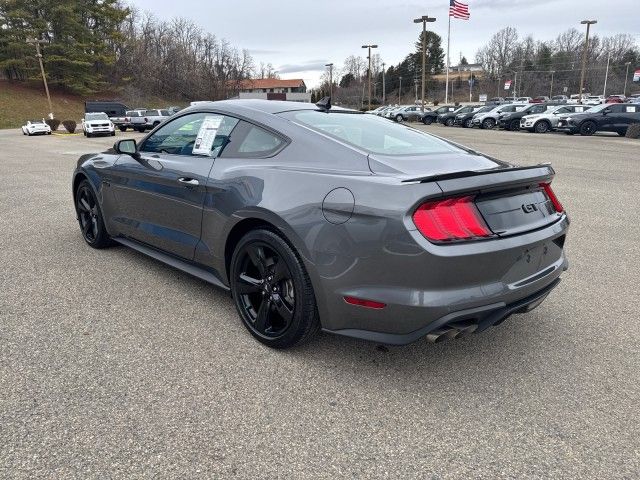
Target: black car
(608, 117)
(429, 117)
(465, 118)
(448, 118)
(511, 120)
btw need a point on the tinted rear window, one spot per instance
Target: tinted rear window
(371, 133)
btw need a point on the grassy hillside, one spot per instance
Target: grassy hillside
(22, 101)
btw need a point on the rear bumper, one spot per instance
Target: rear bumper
(424, 291)
(480, 318)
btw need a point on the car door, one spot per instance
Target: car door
(630, 114)
(160, 196)
(611, 118)
(233, 187)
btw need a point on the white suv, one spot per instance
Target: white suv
(97, 124)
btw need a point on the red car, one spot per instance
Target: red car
(615, 99)
(539, 100)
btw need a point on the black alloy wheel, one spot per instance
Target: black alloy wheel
(542, 127)
(272, 291)
(90, 217)
(588, 128)
(514, 126)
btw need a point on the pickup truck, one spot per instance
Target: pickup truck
(130, 118)
(153, 118)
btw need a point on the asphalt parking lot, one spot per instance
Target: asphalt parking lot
(113, 365)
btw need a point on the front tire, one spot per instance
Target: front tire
(399, 118)
(122, 129)
(427, 120)
(468, 123)
(272, 290)
(90, 217)
(514, 126)
(449, 122)
(588, 128)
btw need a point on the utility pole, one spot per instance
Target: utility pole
(369, 57)
(384, 91)
(424, 19)
(44, 77)
(400, 92)
(588, 23)
(330, 65)
(625, 79)
(606, 76)
(551, 89)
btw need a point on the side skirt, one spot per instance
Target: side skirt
(187, 267)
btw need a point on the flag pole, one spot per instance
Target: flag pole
(446, 88)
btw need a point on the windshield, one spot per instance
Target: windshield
(598, 108)
(96, 116)
(370, 133)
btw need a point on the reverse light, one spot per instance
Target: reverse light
(451, 219)
(361, 302)
(552, 196)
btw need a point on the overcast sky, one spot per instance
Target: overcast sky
(300, 36)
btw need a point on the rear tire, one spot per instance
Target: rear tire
(468, 123)
(427, 120)
(272, 290)
(588, 128)
(488, 123)
(122, 129)
(399, 118)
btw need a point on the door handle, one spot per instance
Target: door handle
(189, 181)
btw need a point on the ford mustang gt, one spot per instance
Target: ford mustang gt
(320, 218)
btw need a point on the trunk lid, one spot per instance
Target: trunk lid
(511, 201)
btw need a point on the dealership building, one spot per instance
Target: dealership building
(293, 90)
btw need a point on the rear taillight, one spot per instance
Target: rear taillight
(450, 220)
(552, 196)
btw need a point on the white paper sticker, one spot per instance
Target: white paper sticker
(207, 135)
(631, 109)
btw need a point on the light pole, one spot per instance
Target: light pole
(424, 19)
(369, 57)
(551, 89)
(588, 23)
(625, 79)
(400, 92)
(606, 76)
(384, 91)
(44, 77)
(330, 65)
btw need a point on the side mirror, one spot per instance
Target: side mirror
(127, 147)
(606, 110)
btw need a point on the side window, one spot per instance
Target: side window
(178, 137)
(616, 108)
(251, 141)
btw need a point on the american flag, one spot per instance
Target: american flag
(458, 10)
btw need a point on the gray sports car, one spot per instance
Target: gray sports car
(315, 218)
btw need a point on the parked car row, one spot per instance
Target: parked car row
(545, 117)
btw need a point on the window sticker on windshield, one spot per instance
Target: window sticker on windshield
(207, 135)
(631, 109)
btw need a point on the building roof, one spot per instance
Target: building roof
(270, 83)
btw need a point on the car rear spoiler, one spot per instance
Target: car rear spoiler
(507, 174)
